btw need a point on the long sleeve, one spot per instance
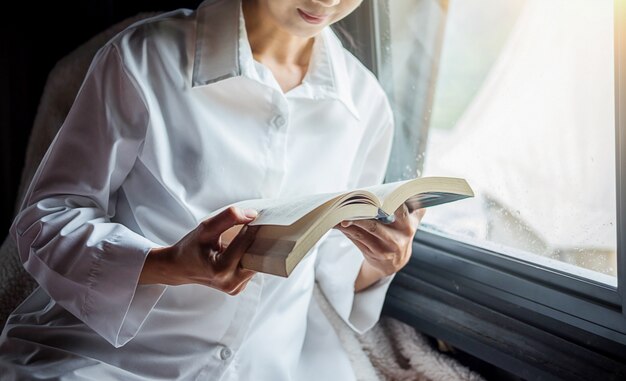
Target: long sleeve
(64, 233)
(339, 260)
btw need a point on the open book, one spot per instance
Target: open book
(291, 227)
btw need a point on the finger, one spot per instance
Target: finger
(362, 247)
(239, 287)
(406, 221)
(372, 256)
(231, 257)
(402, 212)
(374, 228)
(364, 237)
(240, 280)
(352, 232)
(416, 216)
(420, 213)
(383, 246)
(244, 272)
(227, 218)
(413, 205)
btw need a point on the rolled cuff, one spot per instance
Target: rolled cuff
(337, 271)
(109, 301)
(115, 305)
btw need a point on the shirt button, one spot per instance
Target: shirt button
(225, 353)
(279, 121)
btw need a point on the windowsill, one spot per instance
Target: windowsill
(518, 340)
(534, 259)
(477, 308)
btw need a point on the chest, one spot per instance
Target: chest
(238, 139)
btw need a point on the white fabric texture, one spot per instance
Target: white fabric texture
(159, 137)
(427, 364)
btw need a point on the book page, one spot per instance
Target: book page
(383, 190)
(282, 211)
(425, 192)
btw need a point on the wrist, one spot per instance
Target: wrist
(368, 275)
(157, 265)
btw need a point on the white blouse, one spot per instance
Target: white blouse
(174, 120)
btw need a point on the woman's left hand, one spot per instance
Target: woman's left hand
(386, 247)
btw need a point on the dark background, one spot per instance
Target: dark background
(32, 40)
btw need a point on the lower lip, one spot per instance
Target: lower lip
(311, 19)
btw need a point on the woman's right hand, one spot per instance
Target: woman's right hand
(202, 257)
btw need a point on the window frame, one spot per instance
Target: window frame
(527, 319)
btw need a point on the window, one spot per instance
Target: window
(525, 99)
(524, 110)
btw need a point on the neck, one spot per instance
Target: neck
(270, 43)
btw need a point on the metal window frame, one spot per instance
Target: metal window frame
(530, 320)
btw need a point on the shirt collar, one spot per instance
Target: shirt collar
(222, 51)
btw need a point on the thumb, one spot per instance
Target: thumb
(227, 218)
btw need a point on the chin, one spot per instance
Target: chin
(304, 29)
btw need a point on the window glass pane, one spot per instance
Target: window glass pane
(517, 97)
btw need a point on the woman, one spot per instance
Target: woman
(178, 116)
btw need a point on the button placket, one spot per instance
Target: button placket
(234, 335)
(280, 121)
(281, 109)
(225, 353)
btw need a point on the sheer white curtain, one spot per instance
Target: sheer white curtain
(537, 141)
